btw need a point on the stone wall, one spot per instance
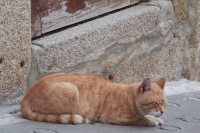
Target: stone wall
(15, 41)
(187, 28)
(124, 47)
(147, 40)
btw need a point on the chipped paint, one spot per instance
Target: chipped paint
(60, 13)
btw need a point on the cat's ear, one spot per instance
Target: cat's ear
(161, 82)
(145, 86)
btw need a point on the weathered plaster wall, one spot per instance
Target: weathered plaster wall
(15, 43)
(187, 20)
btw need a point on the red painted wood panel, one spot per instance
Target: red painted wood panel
(35, 18)
(53, 14)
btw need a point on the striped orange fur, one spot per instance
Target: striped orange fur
(79, 98)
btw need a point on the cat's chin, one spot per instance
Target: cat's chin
(156, 114)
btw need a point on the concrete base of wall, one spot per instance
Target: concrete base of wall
(15, 43)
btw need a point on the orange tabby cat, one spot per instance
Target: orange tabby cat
(79, 98)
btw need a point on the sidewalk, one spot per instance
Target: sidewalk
(181, 116)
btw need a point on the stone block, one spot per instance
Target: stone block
(162, 61)
(188, 32)
(15, 41)
(126, 46)
(180, 11)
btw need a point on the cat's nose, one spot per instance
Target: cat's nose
(162, 112)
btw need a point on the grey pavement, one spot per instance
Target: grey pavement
(181, 116)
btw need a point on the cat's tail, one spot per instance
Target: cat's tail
(60, 119)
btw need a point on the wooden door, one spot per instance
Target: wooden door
(49, 15)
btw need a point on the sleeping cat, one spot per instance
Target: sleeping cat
(79, 98)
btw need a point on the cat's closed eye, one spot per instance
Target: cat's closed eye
(157, 104)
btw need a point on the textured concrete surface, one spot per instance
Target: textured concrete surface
(181, 116)
(187, 29)
(76, 44)
(180, 11)
(15, 41)
(126, 46)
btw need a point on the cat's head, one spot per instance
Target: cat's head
(151, 99)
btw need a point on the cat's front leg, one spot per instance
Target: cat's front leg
(154, 121)
(149, 120)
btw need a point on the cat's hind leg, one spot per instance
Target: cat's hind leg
(55, 103)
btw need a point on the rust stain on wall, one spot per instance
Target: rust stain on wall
(48, 6)
(75, 5)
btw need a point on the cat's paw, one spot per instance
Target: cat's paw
(153, 121)
(160, 121)
(92, 122)
(87, 121)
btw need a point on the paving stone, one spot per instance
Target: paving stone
(181, 115)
